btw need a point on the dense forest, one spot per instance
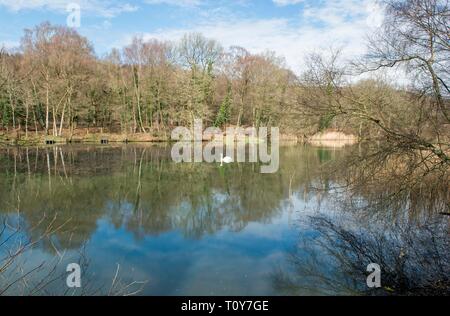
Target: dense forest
(54, 84)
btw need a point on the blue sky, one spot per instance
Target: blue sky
(291, 28)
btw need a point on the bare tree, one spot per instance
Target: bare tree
(408, 119)
(416, 37)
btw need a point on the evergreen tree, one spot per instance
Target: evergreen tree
(224, 115)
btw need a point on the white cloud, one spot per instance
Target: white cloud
(337, 23)
(287, 2)
(105, 8)
(8, 44)
(183, 3)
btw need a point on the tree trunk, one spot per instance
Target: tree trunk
(47, 107)
(26, 118)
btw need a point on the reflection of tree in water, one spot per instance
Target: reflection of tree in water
(139, 187)
(24, 273)
(391, 207)
(202, 198)
(414, 259)
(390, 179)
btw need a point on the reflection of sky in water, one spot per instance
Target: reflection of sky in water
(226, 262)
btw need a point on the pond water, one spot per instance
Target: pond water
(127, 214)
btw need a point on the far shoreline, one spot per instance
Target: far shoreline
(329, 138)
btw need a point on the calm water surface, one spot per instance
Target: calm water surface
(184, 229)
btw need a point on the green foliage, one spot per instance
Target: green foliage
(5, 110)
(224, 115)
(325, 121)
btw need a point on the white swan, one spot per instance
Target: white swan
(226, 160)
